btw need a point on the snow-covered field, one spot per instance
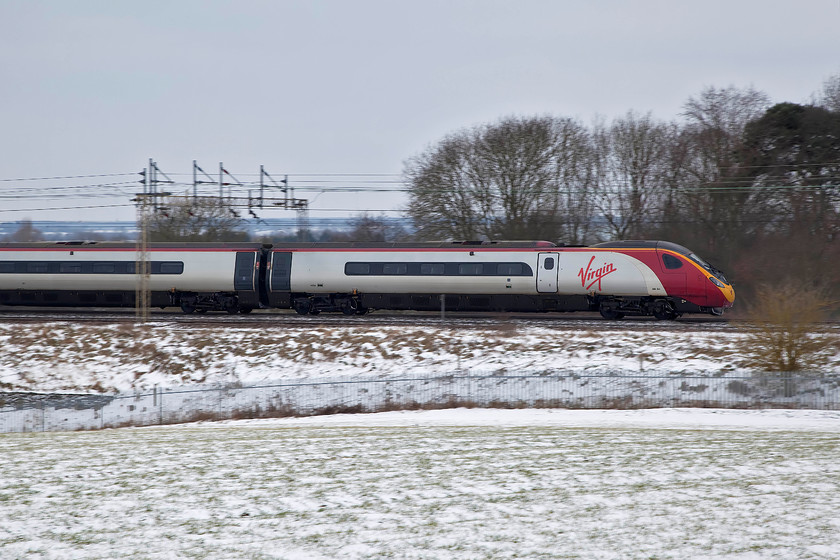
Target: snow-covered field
(441, 484)
(57, 357)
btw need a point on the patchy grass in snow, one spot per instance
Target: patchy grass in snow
(234, 491)
(61, 357)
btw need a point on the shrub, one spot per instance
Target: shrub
(785, 328)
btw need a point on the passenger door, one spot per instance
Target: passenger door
(243, 276)
(281, 272)
(548, 265)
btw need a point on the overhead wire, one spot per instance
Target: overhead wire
(338, 183)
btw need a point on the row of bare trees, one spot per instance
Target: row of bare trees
(754, 187)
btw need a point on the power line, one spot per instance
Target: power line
(68, 177)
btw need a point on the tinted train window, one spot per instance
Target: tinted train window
(437, 269)
(549, 263)
(394, 268)
(70, 268)
(171, 268)
(356, 269)
(104, 268)
(509, 269)
(433, 269)
(671, 262)
(470, 269)
(87, 267)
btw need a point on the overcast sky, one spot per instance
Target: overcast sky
(316, 87)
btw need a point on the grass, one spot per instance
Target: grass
(218, 491)
(171, 355)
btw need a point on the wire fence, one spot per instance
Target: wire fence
(306, 397)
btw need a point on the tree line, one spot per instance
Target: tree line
(753, 187)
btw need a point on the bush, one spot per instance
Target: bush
(786, 331)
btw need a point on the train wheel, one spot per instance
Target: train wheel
(610, 313)
(187, 308)
(246, 310)
(350, 307)
(303, 307)
(664, 311)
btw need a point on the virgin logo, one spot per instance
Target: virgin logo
(593, 277)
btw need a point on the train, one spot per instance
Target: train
(617, 279)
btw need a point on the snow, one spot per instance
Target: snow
(60, 357)
(666, 483)
(455, 484)
(654, 418)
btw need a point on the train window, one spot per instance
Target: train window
(511, 269)
(439, 269)
(394, 268)
(87, 267)
(433, 269)
(104, 268)
(171, 268)
(356, 269)
(548, 264)
(671, 262)
(470, 269)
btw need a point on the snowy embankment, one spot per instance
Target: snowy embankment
(60, 357)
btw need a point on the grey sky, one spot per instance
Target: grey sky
(316, 87)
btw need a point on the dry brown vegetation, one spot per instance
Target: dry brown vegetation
(786, 330)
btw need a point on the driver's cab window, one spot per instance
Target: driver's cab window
(671, 262)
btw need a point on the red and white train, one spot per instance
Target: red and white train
(655, 278)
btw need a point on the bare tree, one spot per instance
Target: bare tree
(716, 197)
(197, 219)
(575, 180)
(631, 173)
(501, 181)
(830, 95)
(444, 201)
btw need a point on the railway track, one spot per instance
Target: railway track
(452, 320)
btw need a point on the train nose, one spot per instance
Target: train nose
(729, 294)
(726, 290)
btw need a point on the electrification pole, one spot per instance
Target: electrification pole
(147, 202)
(142, 293)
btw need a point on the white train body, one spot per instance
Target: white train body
(570, 273)
(647, 277)
(195, 270)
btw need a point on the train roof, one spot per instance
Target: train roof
(419, 245)
(291, 245)
(124, 245)
(637, 244)
(643, 244)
